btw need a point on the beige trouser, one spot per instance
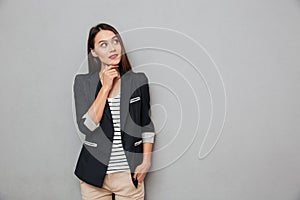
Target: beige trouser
(119, 183)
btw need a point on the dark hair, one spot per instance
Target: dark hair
(94, 62)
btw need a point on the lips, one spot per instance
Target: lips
(113, 56)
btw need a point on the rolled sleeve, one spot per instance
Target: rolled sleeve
(89, 123)
(148, 137)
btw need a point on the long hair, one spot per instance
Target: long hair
(94, 62)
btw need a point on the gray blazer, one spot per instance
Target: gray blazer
(134, 121)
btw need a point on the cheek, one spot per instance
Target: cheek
(119, 49)
(102, 54)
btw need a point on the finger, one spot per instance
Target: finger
(141, 178)
(135, 174)
(112, 66)
(112, 70)
(138, 177)
(114, 74)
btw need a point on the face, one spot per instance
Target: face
(107, 47)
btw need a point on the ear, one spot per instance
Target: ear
(94, 53)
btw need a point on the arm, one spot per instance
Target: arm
(95, 112)
(84, 111)
(148, 132)
(147, 151)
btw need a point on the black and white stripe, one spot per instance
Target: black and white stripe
(118, 161)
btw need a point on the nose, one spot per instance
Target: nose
(111, 47)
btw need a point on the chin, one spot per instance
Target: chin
(115, 62)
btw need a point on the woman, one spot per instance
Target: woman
(113, 111)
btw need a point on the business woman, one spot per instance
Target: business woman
(113, 111)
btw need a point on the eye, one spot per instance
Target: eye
(116, 41)
(103, 44)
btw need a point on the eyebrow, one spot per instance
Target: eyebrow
(106, 40)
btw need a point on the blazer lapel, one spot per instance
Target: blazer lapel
(126, 85)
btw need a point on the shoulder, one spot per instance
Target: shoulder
(81, 81)
(137, 77)
(141, 77)
(83, 78)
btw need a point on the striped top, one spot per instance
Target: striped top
(118, 161)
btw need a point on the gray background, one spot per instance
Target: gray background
(255, 45)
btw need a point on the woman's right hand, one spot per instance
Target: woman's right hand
(108, 74)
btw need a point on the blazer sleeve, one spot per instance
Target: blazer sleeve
(82, 106)
(147, 126)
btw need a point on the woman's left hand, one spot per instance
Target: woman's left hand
(141, 171)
